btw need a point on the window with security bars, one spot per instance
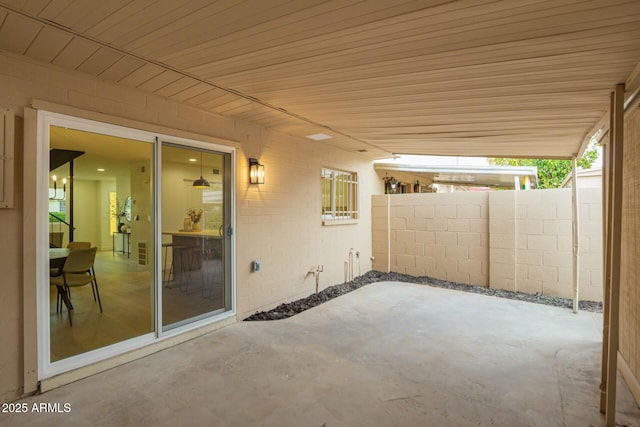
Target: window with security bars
(339, 196)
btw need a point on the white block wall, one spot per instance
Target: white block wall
(278, 223)
(439, 235)
(514, 240)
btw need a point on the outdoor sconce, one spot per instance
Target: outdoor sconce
(390, 185)
(256, 172)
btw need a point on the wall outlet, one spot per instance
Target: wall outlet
(255, 266)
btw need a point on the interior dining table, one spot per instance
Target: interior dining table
(57, 257)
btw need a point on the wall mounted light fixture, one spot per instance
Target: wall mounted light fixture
(55, 188)
(201, 182)
(256, 172)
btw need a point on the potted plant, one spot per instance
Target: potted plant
(120, 215)
(194, 217)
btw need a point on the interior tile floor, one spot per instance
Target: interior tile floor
(388, 354)
(127, 302)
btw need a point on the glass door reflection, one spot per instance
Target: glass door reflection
(95, 174)
(195, 283)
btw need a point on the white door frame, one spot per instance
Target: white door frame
(47, 369)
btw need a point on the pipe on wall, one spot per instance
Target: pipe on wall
(575, 231)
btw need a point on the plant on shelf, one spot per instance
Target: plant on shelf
(119, 214)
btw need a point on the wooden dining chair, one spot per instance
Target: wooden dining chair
(72, 246)
(78, 271)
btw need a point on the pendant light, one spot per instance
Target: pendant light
(201, 182)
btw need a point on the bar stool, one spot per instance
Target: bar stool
(188, 262)
(213, 256)
(165, 282)
(192, 254)
(178, 264)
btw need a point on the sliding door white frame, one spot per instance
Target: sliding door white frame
(48, 369)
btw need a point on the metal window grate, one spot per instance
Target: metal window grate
(339, 195)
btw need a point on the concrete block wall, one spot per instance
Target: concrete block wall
(544, 256)
(513, 240)
(439, 235)
(544, 242)
(502, 240)
(380, 230)
(590, 273)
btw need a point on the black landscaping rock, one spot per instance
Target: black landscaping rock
(292, 308)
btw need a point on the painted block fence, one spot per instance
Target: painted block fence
(514, 240)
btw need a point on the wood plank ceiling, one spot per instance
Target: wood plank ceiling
(467, 77)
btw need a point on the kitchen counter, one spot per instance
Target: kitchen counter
(200, 233)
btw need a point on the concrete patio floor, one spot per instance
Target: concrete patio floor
(387, 354)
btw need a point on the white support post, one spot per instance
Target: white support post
(615, 240)
(575, 229)
(388, 233)
(606, 251)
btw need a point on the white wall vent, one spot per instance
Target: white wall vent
(142, 253)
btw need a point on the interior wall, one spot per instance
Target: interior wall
(278, 223)
(140, 189)
(106, 242)
(630, 270)
(86, 197)
(123, 189)
(177, 182)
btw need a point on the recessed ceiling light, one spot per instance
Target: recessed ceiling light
(191, 159)
(100, 169)
(319, 136)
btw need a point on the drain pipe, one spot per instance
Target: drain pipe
(346, 271)
(575, 231)
(318, 269)
(350, 264)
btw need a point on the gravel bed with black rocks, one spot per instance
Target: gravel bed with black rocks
(292, 308)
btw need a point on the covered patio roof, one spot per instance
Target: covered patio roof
(517, 78)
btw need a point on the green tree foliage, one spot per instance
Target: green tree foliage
(552, 172)
(57, 216)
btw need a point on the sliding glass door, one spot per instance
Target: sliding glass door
(99, 197)
(148, 219)
(195, 234)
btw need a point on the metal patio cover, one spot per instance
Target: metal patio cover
(467, 77)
